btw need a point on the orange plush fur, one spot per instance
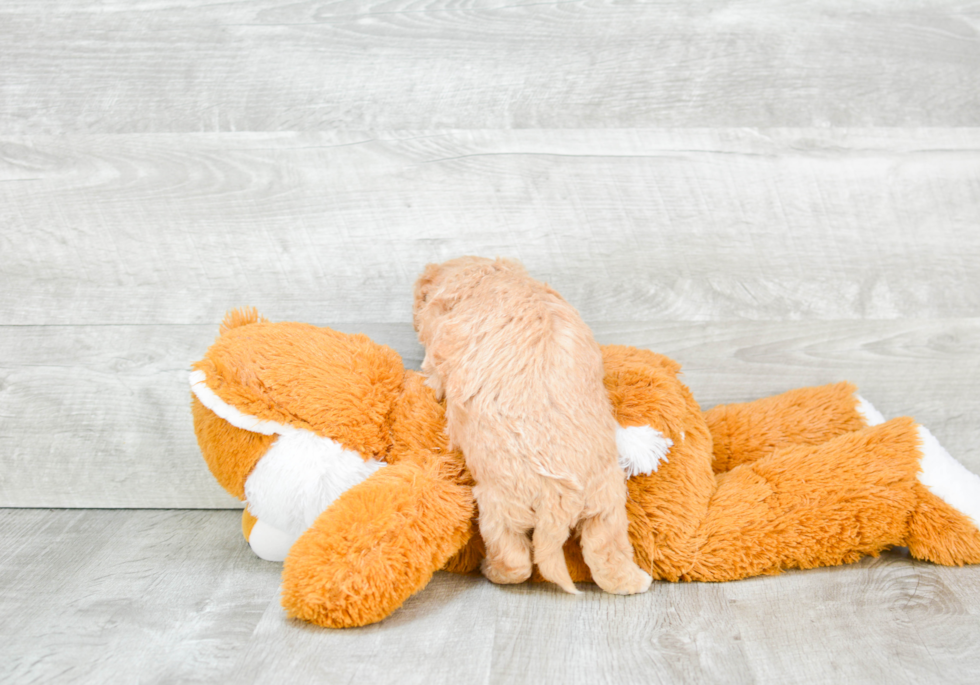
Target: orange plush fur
(525, 402)
(793, 481)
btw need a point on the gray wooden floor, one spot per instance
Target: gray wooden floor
(775, 194)
(169, 596)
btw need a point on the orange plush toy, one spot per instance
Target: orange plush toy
(341, 456)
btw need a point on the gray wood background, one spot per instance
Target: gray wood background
(774, 193)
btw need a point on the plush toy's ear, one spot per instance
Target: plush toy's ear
(241, 317)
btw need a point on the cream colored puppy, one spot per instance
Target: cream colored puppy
(525, 402)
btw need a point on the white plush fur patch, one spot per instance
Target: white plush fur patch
(948, 479)
(641, 449)
(236, 418)
(300, 476)
(270, 543)
(871, 416)
(295, 481)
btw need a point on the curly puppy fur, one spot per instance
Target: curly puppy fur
(523, 382)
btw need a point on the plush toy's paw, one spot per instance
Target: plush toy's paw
(641, 449)
(270, 543)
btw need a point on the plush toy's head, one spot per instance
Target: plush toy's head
(261, 382)
(340, 456)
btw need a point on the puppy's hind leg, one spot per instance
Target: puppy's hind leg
(508, 557)
(607, 551)
(550, 534)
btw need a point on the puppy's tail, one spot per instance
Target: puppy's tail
(566, 480)
(548, 543)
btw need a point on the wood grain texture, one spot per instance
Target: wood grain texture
(98, 416)
(885, 618)
(628, 225)
(134, 596)
(176, 596)
(446, 634)
(119, 67)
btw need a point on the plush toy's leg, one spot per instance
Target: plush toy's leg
(805, 506)
(743, 433)
(376, 545)
(467, 559)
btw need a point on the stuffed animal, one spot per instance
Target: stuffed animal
(341, 456)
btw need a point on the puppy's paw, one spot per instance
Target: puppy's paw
(627, 580)
(640, 583)
(505, 574)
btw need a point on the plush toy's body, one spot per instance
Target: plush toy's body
(330, 440)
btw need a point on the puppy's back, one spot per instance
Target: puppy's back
(526, 376)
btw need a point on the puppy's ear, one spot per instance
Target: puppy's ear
(425, 283)
(425, 288)
(505, 264)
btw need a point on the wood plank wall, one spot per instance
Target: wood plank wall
(776, 194)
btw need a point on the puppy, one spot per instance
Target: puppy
(523, 382)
